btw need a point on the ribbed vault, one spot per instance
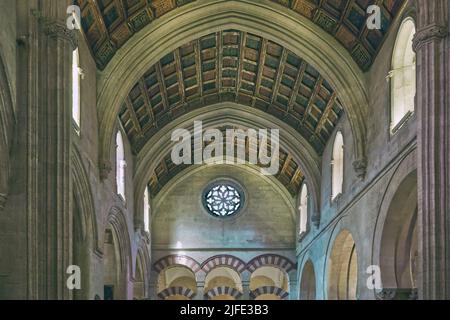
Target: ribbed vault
(108, 24)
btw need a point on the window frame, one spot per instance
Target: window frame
(121, 165)
(76, 99)
(335, 197)
(301, 232)
(394, 129)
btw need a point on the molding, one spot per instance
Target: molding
(428, 34)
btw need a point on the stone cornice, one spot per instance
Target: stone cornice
(56, 29)
(427, 34)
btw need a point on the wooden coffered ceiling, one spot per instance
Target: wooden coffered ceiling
(108, 24)
(232, 66)
(289, 175)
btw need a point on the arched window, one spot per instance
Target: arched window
(76, 88)
(303, 208)
(120, 165)
(403, 75)
(337, 165)
(146, 211)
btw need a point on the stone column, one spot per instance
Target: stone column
(200, 277)
(432, 45)
(49, 127)
(245, 285)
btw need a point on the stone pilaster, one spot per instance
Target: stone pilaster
(432, 45)
(49, 124)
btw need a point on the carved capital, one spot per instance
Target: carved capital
(56, 29)
(360, 167)
(105, 168)
(3, 198)
(428, 34)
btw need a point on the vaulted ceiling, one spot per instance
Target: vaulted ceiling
(289, 175)
(232, 66)
(108, 24)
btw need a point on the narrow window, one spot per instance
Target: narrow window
(76, 105)
(146, 211)
(303, 208)
(120, 165)
(403, 76)
(337, 166)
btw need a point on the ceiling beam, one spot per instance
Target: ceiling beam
(133, 116)
(326, 113)
(219, 62)
(147, 103)
(198, 68)
(240, 62)
(280, 72)
(178, 66)
(261, 60)
(312, 98)
(162, 85)
(298, 82)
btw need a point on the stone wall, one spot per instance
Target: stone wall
(358, 208)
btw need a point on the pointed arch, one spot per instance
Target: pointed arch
(118, 223)
(308, 282)
(142, 271)
(83, 195)
(7, 126)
